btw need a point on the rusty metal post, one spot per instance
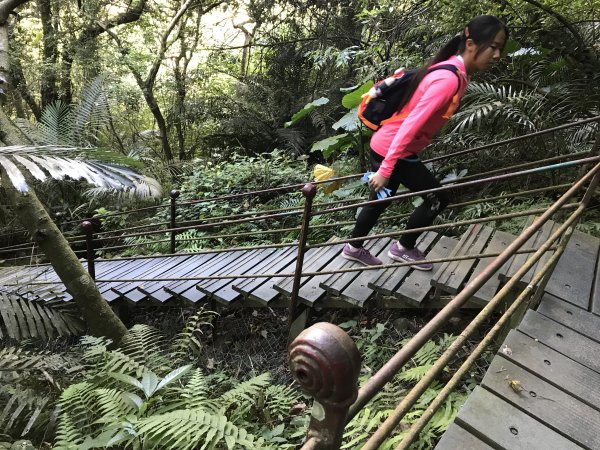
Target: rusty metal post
(325, 361)
(309, 191)
(88, 229)
(174, 194)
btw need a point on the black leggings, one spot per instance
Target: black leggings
(413, 174)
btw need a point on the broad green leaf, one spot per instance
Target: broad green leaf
(333, 143)
(349, 122)
(149, 383)
(126, 379)
(353, 99)
(134, 399)
(173, 376)
(307, 110)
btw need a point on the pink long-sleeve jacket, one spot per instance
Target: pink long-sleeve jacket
(427, 111)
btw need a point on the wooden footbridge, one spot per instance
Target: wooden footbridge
(196, 279)
(542, 383)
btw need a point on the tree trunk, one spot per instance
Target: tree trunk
(100, 318)
(48, 88)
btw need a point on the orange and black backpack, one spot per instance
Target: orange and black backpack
(386, 97)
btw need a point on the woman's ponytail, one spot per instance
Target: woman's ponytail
(453, 47)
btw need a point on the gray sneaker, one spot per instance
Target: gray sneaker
(416, 256)
(360, 255)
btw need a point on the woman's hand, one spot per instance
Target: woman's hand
(378, 182)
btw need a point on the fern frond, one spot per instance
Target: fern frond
(189, 429)
(92, 111)
(278, 400)
(20, 409)
(362, 426)
(15, 359)
(56, 124)
(111, 405)
(187, 342)
(193, 395)
(68, 435)
(414, 373)
(42, 319)
(244, 394)
(146, 346)
(76, 406)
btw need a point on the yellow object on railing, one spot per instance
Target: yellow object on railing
(322, 173)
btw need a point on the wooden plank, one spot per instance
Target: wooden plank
(564, 373)
(535, 241)
(222, 289)
(456, 437)
(143, 271)
(275, 264)
(111, 291)
(571, 344)
(546, 403)
(228, 294)
(575, 318)
(220, 264)
(136, 293)
(500, 240)
(155, 291)
(390, 279)
(573, 276)
(595, 301)
(313, 290)
(312, 263)
(175, 288)
(452, 274)
(336, 283)
(310, 290)
(417, 284)
(505, 426)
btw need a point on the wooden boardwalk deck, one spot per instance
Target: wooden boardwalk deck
(542, 390)
(390, 288)
(393, 287)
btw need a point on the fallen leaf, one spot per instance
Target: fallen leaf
(506, 350)
(263, 333)
(515, 385)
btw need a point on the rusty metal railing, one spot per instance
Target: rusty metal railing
(325, 432)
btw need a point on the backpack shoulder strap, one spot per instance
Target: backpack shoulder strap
(452, 68)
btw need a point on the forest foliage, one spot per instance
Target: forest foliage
(227, 96)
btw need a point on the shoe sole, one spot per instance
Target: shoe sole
(415, 266)
(352, 258)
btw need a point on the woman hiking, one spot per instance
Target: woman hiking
(433, 97)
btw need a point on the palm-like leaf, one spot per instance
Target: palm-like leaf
(25, 319)
(92, 111)
(70, 162)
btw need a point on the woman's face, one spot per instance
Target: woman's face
(483, 59)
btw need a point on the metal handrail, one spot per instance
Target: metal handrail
(319, 439)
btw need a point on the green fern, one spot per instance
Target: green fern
(189, 429)
(278, 400)
(243, 395)
(188, 341)
(145, 345)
